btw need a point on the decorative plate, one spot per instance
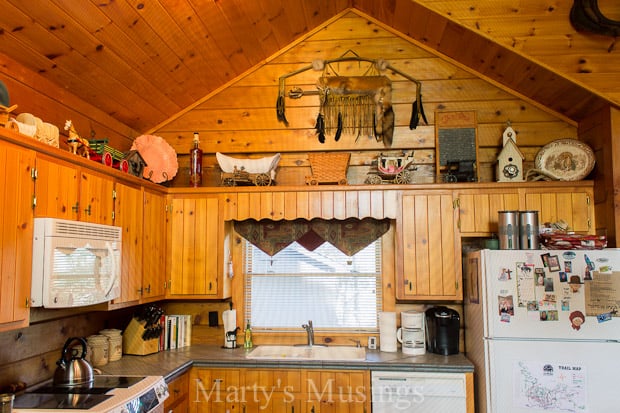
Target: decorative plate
(160, 157)
(565, 159)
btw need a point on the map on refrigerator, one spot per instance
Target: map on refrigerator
(551, 387)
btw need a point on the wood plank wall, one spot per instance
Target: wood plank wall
(54, 104)
(240, 119)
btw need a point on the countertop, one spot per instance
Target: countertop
(171, 363)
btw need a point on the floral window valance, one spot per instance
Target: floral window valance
(349, 235)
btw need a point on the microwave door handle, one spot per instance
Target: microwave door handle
(115, 274)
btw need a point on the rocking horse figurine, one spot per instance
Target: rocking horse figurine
(77, 144)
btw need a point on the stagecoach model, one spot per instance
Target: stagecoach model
(392, 169)
(100, 151)
(238, 171)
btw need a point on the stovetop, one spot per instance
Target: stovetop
(52, 397)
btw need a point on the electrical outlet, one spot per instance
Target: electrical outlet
(372, 343)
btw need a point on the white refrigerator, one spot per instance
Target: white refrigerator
(541, 329)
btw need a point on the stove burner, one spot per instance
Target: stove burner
(73, 397)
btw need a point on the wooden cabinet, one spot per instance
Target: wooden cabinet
(554, 201)
(16, 221)
(575, 205)
(128, 210)
(331, 391)
(66, 191)
(196, 248)
(178, 389)
(428, 248)
(215, 390)
(154, 242)
(478, 209)
(279, 391)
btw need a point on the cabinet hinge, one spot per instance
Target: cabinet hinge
(588, 200)
(456, 203)
(113, 215)
(34, 174)
(589, 224)
(34, 201)
(114, 194)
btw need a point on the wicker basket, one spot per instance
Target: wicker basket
(328, 168)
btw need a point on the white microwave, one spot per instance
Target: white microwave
(74, 264)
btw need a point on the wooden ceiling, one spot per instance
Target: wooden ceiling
(143, 61)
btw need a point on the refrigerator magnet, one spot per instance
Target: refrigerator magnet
(563, 277)
(506, 306)
(504, 274)
(553, 263)
(576, 319)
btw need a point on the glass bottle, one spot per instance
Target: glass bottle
(247, 342)
(195, 163)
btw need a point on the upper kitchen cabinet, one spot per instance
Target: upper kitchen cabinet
(16, 221)
(477, 209)
(63, 190)
(428, 248)
(128, 214)
(197, 244)
(572, 204)
(154, 243)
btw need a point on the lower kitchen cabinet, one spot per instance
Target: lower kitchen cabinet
(16, 221)
(178, 389)
(279, 391)
(214, 390)
(428, 248)
(331, 391)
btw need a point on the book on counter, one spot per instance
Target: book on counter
(177, 331)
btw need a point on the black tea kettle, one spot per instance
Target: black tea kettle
(73, 370)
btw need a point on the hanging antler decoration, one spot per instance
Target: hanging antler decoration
(355, 105)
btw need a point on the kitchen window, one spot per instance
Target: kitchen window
(334, 290)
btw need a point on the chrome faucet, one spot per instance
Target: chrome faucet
(310, 332)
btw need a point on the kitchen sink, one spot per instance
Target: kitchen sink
(333, 353)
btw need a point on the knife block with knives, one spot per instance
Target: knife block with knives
(141, 337)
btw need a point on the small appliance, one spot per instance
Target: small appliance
(74, 263)
(442, 329)
(411, 333)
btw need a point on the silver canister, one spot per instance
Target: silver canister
(528, 230)
(508, 225)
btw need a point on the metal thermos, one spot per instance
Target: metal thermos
(508, 224)
(528, 230)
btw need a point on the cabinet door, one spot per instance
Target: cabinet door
(337, 391)
(153, 261)
(478, 210)
(428, 249)
(573, 205)
(56, 189)
(128, 216)
(196, 253)
(214, 390)
(178, 390)
(96, 198)
(16, 221)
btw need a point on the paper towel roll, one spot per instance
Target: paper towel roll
(229, 317)
(387, 331)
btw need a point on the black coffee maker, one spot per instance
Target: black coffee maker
(442, 330)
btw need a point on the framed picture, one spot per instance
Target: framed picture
(553, 263)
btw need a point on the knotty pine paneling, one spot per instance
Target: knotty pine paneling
(240, 120)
